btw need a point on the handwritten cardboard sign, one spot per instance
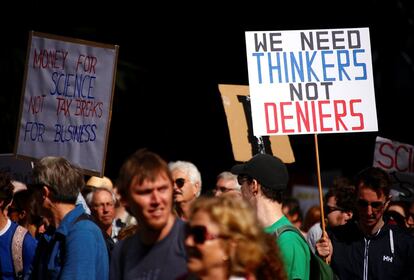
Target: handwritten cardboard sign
(66, 100)
(393, 156)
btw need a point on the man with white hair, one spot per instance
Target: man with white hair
(226, 184)
(102, 203)
(187, 186)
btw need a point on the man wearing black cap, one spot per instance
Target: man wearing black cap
(263, 179)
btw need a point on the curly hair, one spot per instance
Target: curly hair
(238, 223)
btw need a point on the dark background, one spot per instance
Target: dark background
(172, 58)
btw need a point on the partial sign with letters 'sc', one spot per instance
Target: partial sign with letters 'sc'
(393, 156)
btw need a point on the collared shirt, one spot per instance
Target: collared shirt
(77, 250)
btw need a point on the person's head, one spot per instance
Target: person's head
(223, 235)
(410, 216)
(226, 183)
(97, 182)
(373, 195)
(313, 216)
(339, 205)
(263, 174)
(291, 209)
(187, 181)
(6, 191)
(145, 184)
(102, 203)
(396, 213)
(20, 210)
(57, 179)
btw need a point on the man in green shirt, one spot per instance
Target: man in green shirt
(263, 179)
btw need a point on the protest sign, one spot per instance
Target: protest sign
(244, 144)
(66, 100)
(311, 81)
(393, 156)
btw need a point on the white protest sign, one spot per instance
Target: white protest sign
(67, 100)
(393, 156)
(311, 81)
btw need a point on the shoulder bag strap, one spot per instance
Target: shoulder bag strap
(17, 249)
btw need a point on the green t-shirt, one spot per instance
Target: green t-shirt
(295, 251)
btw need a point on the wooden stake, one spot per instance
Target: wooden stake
(319, 184)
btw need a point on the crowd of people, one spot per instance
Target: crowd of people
(154, 223)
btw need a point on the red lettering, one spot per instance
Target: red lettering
(273, 106)
(397, 156)
(284, 117)
(384, 153)
(338, 115)
(302, 117)
(323, 116)
(354, 114)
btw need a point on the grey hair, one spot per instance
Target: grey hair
(89, 196)
(188, 168)
(63, 179)
(226, 175)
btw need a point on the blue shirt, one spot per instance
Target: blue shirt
(77, 250)
(6, 260)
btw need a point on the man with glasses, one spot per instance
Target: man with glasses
(187, 186)
(102, 203)
(263, 179)
(156, 250)
(226, 184)
(339, 208)
(370, 248)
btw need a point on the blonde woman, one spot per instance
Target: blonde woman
(224, 240)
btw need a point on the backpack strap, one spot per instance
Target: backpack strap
(284, 228)
(17, 250)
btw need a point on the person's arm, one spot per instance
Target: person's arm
(324, 247)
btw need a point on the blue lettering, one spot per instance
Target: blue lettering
(357, 64)
(274, 67)
(326, 65)
(259, 67)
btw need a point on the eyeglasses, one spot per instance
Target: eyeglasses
(103, 205)
(199, 234)
(375, 204)
(222, 189)
(243, 178)
(179, 182)
(329, 209)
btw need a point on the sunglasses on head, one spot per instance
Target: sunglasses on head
(179, 182)
(375, 204)
(199, 234)
(329, 209)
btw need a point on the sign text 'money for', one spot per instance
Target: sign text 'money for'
(67, 100)
(311, 81)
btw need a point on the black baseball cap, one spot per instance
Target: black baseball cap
(269, 170)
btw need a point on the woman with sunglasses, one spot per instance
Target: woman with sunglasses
(224, 240)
